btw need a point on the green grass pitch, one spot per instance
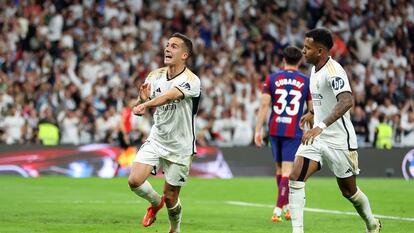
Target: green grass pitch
(58, 204)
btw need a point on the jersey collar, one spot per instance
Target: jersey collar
(329, 58)
(169, 79)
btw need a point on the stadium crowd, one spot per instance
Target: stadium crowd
(76, 65)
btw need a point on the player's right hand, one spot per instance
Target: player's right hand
(139, 110)
(258, 139)
(309, 136)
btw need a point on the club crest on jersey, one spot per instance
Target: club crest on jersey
(338, 83)
(185, 85)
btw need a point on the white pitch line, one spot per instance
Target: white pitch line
(87, 202)
(239, 203)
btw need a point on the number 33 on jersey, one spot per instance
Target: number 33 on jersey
(289, 90)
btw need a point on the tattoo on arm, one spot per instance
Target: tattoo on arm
(345, 102)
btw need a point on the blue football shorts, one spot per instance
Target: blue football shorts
(284, 148)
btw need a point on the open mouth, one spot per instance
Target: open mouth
(168, 56)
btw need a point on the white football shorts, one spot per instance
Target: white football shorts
(175, 174)
(343, 163)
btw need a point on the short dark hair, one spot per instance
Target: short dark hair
(292, 55)
(187, 42)
(322, 36)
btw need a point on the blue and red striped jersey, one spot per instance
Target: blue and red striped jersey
(289, 90)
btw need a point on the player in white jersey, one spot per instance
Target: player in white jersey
(332, 140)
(175, 92)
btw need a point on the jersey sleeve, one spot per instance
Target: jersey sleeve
(190, 87)
(339, 82)
(149, 79)
(266, 86)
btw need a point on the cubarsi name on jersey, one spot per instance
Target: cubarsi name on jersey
(292, 82)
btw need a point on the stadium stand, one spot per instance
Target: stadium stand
(76, 64)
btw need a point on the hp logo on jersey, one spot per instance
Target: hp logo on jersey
(338, 83)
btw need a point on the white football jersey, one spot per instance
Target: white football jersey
(174, 131)
(325, 85)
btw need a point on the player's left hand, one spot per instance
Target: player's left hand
(139, 110)
(310, 135)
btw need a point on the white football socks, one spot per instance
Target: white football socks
(148, 193)
(362, 206)
(297, 201)
(174, 214)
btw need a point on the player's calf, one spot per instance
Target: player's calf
(148, 193)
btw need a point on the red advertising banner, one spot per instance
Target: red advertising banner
(100, 160)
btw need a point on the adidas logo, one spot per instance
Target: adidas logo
(158, 90)
(182, 179)
(348, 171)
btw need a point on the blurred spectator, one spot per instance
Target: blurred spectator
(102, 126)
(223, 130)
(204, 124)
(243, 132)
(364, 44)
(70, 124)
(372, 125)
(5, 101)
(388, 108)
(14, 126)
(407, 124)
(383, 134)
(49, 133)
(360, 122)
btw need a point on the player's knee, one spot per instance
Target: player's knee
(294, 175)
(133, 182)
(348, 193)
(293, 184)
